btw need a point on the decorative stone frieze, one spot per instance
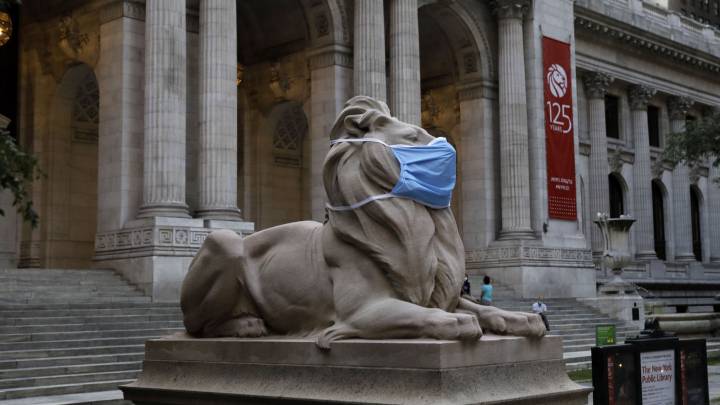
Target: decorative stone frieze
(639, 96)
(528, 255)
(678, 107)
(164, 240)
(596, 84)
(511, 8)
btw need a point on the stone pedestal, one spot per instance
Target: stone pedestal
(619, 307)
(155, 253)
(494, 370)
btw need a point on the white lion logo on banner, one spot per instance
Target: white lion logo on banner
(557, 80)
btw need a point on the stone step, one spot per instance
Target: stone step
(90, 327)
(61, 389)
(16, 355)
(48, 313)
(68, 379)
(68, 344)
(85, 305)
(112, 397)
(91, 300)
(88, 319)
(6, 365)
(84, 335)
(88, 368)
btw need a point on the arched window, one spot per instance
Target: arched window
(617, 207)
(695, 219)
(658, 220)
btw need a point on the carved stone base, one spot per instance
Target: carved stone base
(533, 271)
(155, 253)
(494, 370)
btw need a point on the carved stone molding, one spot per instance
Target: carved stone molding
(122, 8)
(510, 8)
(596, 84)
(615, 161)
(528, 255)
(330, 56)
(639, 96)
(657, 168)
(642, 42)
(678, 107)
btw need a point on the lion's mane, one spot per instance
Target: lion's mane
(417, 247)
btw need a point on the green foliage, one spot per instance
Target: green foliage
(581, 375)
(700, 142)
(17, 170)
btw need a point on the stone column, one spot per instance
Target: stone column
(677, 109)
(644, 235)
(404, 61)
(596, 85)
(331, 85)
(165, 88)
(218, 110)
(369, 50)
(514, 158)
(714, 211)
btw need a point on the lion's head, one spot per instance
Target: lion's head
(419, 248)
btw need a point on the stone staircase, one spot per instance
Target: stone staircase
(575, 322)
(73, 331)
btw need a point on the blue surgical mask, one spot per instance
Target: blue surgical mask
(427, 173)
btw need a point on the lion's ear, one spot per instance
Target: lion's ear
(362, 114)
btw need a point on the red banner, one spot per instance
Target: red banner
(559, 130)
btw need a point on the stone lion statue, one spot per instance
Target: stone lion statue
(389, 268)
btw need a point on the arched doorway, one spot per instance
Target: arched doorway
(658, 205)
(457, 103)
(695, 201)
(616, 195)
(71, 187)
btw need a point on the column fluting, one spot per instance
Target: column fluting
(596, 85)
(165, 98)
(404, 61)
(369, 50)
(677, 109)
(514, 153)
(644, 234)
(217, 122)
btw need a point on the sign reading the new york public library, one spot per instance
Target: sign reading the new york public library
(559, 131)
(657, 377)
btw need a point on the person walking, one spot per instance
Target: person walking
(486, 292)
(540, 308)
(465, 286)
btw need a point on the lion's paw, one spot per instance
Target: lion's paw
(243, 326)
(454, 326)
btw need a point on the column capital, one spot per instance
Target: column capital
(678, 107)
(596, 84)
(639, 96)
(510, 8)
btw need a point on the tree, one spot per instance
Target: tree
(17, 170)
(699, 143)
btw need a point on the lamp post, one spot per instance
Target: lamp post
(616, 252)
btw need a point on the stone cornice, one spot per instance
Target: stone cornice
(122, 8)
(639, 96)
(648, 42)
(528, 256)
(476, 90)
